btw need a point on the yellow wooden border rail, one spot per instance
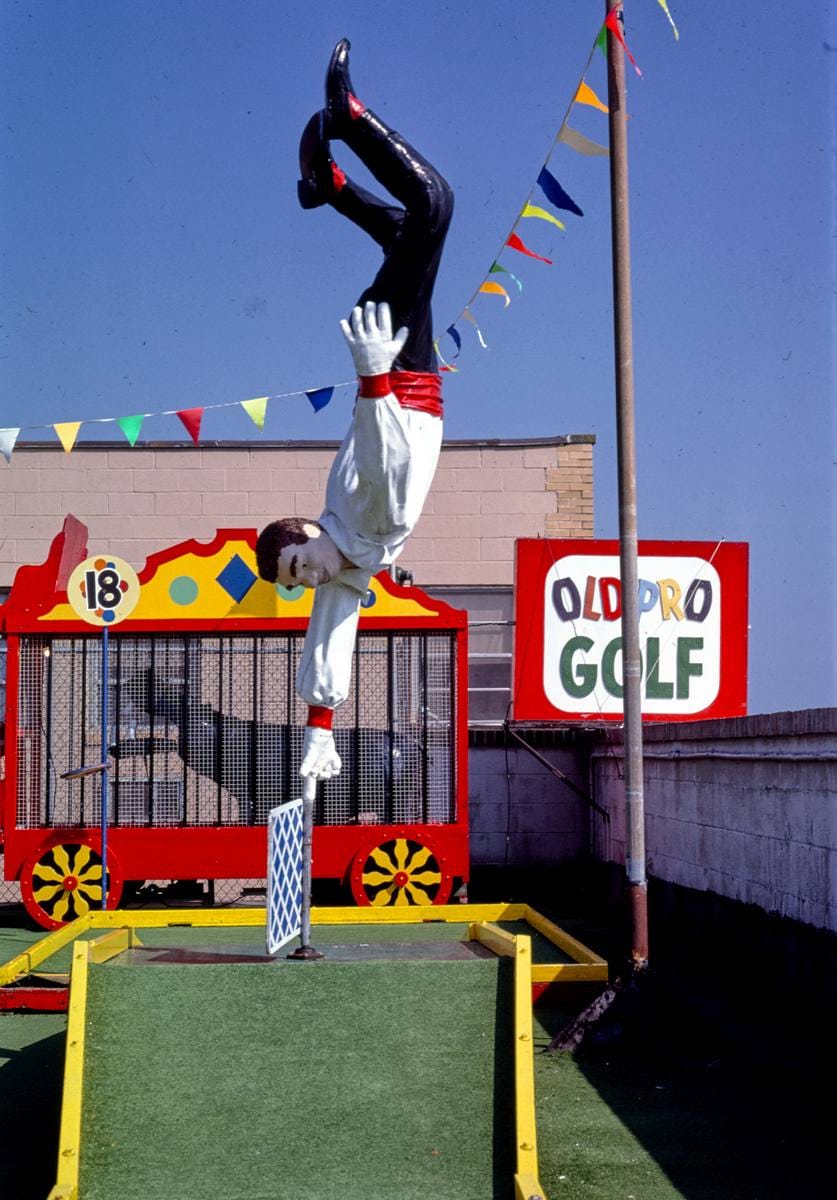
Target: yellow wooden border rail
(585, 967)
(519, 947)
(69, 1138)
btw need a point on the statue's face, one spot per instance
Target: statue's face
(313, 562)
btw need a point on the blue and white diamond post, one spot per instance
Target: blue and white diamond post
(290, 833)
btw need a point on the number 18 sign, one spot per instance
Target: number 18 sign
(103, 590)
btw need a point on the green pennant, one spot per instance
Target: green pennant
(131, 426)
(601, 40)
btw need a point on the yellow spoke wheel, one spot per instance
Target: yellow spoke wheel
(63, 880)
(402, 871)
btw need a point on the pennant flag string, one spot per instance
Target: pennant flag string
(67, 431)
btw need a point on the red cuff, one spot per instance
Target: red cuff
(320, 716)
(374, 386)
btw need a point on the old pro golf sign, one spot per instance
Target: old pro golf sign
(692, 602)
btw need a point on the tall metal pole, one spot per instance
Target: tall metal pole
(626, 458)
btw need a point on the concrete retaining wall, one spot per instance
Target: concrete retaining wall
(745, 808)
(520, 813)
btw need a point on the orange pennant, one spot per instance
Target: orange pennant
(496, 289)
(586, 95)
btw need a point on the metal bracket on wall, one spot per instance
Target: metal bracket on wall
(559, 774)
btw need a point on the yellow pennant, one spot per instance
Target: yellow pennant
(533, 210)
(674, 28)
(586, 95)
(67, 432)
(256, 410)
(496, 289)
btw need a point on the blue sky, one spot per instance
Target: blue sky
(154, 257)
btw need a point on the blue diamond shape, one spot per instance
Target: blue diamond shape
(236, 578)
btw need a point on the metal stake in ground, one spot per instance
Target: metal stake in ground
(305, 950)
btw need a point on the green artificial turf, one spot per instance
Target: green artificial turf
(387, 1081)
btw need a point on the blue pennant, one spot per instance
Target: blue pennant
(555, 194)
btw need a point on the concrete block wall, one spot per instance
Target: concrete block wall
(745, 808)
(136, 501)
(521, 814)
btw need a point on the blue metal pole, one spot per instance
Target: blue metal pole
(104, 764)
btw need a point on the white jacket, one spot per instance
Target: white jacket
(375, 495)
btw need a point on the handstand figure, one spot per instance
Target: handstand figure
(383, 470)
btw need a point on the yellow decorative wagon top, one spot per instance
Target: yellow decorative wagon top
(200, 585)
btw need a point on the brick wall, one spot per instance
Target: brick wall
(136, 501)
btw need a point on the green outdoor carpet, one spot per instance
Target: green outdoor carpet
(387, 1081)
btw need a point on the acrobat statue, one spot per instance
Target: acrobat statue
(383, 470)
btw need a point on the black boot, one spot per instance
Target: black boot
(388, 155)
(341, 103)
(321, 179)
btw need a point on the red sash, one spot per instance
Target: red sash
(419, 390)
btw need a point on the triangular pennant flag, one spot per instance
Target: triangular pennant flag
(571, 137)
(191, 418)
(533, 210)
(469, 316)
(586, 95)
(664, 7)
(496, 289)
(612, 23)
(497, 268)
(453, 334)
(516, 244)
(8, 437)
(131, 427)
(67, 432)
(601, 40)
(446, 366)
(319, 397)
(555, 194)
(256, 410)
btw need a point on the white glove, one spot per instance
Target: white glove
(370, 339)
(320, 759)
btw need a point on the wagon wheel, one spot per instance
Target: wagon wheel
(63, 880)
(402, 871)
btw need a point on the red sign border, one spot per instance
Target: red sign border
(535, 556)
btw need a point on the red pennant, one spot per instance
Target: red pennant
(612, 22)
(191, 418)
(516, 244)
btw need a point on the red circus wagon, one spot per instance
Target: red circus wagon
(205, 734)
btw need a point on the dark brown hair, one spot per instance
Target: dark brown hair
(272, 541)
